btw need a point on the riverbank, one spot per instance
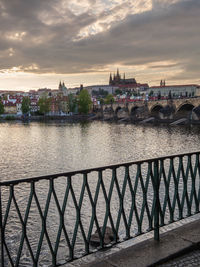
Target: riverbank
(67, 118)
(152, 120)
(94, 117)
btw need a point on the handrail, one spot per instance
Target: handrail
(72, 173)
(116, 202)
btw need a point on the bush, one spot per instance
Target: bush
(10, 118)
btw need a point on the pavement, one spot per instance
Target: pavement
(189, 259)
(177, 247)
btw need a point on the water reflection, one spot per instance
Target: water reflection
(37, 148)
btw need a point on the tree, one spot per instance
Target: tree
(84, 102)
(72, 102)
(25, 105)
(1, 108)
(118, 92)
(44, 104)
(151, 93)
(101, 101)
(109, 99)
(100, 92)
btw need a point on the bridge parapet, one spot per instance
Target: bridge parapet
(175, 104)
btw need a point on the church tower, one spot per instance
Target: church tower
(60, 86)
(110, 80)
(63, 89)
(118, 77)
(162, 83)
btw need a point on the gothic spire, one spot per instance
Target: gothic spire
(117, 72)
(60, 86)
(110, 81)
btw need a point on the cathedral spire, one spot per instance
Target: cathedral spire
(110, 81)
(117, 72)
(60, 86)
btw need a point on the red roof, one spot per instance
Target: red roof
(10, 104)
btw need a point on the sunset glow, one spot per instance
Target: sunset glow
(83, 41)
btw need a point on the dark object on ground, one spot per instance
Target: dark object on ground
(108, 237)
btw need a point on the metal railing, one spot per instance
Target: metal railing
(52, 217)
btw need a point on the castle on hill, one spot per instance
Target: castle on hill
(117, 80)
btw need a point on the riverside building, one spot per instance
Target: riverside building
(187, 90)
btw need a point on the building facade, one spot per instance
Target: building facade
(126, 84)
(187, 90)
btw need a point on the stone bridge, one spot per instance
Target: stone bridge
(162, 109)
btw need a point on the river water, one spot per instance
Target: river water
(29, 150)
(36, 149)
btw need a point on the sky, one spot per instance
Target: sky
(83, 41)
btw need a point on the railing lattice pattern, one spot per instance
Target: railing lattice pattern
(52, 219)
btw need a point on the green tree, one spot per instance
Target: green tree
(109, 99)
(1, 108)
(72, 102)
(151, 93)
(5, 97)
(44, 104)
(25, 105)
(84, 102)
(102, 101)
(118, 92)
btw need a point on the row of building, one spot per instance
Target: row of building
(184, 90)
(12, 100)
(120, 82)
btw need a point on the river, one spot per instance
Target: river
(34, 149)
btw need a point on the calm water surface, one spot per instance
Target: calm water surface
(35, 149)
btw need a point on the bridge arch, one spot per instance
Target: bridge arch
(117, 109)
(154, 111)
(108, 109)
(121, 112)
(185, 105)
(167, 112)
(184, 110)
(133, 111)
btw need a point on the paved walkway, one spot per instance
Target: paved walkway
(189, 259)
(177, 247)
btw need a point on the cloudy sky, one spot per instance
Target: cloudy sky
(82, 41)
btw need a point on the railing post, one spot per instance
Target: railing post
(2, 232)
(156, 192)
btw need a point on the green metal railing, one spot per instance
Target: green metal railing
(53, 217)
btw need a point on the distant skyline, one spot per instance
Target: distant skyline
(43, 42)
